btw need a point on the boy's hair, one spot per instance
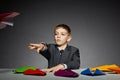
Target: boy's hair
(64, 26)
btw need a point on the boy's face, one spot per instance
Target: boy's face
(62, 37)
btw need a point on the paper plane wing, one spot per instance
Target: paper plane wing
(7, 18)
(35, 72)
(98, 72)
(104, 68)
(115, 69)
(66, 73)
(86, 72)
(22, 69)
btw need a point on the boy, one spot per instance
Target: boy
(59, 55)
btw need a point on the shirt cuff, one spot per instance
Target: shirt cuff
(65, 66)
(45, 48)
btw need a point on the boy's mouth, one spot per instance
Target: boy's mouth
(58, 40)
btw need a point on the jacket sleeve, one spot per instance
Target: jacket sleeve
(45, 52)
(75, 61)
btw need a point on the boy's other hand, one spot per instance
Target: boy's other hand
(54, 69)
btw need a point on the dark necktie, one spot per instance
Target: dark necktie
(61, 51)
(60, 56)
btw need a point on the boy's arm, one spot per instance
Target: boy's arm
(41, 48)
(45, 52)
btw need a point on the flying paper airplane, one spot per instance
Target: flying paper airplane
(7, 18)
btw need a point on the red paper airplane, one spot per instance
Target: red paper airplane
(6, 19)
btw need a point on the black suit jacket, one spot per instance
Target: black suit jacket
(70, 56)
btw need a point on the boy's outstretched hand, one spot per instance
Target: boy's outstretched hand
(54, 69)
(37, 47)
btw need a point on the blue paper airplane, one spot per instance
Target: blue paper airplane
(89, 73)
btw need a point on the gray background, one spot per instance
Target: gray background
(95, 29)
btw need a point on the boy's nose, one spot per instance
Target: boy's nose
(58, 36)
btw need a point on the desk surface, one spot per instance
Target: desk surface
(7, 74)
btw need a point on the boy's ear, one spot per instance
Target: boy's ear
(69, 38)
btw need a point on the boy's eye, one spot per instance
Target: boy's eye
(55, 34)
(63, 34)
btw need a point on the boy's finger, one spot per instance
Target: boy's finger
(34, 45)
(38, 50)
(48, 70)
(30, 47)
(31, 44)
